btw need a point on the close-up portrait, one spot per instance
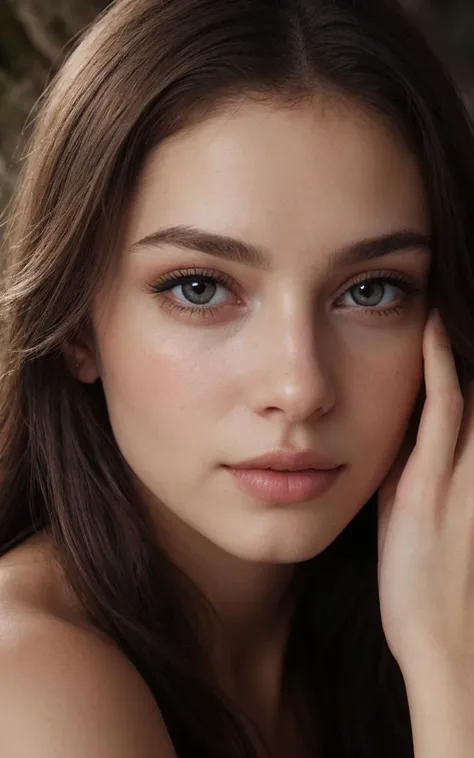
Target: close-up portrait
(237, 379)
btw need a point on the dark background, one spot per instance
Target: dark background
(35, 35)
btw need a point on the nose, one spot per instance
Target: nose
(291, 364)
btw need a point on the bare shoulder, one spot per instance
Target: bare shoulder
(67, 691)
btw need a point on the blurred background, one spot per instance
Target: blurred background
(36, 35)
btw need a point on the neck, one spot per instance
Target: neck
(253, 605)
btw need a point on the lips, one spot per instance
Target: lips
(288, 460)
(279, 487)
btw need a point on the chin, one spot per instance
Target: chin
(275, 549)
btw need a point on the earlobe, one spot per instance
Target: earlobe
(85, 372)
(81, 360)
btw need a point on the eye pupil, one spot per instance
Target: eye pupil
(197, 289)
(370, 291)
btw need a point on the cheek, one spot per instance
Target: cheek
(383, 399)
(161, 391)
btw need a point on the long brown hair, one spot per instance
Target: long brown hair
(143, 71)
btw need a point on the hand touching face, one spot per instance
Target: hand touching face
(426, 524)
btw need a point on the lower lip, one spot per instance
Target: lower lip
(282, 486)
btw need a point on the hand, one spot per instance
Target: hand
(426, 525)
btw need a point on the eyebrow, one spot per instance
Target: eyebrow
(236, 250)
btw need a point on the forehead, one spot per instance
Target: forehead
(320, 174)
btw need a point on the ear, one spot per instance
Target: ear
(82, 356)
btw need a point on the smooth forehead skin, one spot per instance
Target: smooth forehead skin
(280, 365)
(291, 167)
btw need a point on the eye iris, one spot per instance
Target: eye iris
(367, 290)
(198, 288)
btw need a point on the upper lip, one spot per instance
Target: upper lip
(288, 461)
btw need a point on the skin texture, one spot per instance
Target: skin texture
(290, 358)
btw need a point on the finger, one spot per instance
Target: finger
(442, 413)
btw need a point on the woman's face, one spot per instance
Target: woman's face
(291, 351)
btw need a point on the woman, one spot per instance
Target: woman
(232, 227)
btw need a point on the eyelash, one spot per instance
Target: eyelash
(169, 281)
